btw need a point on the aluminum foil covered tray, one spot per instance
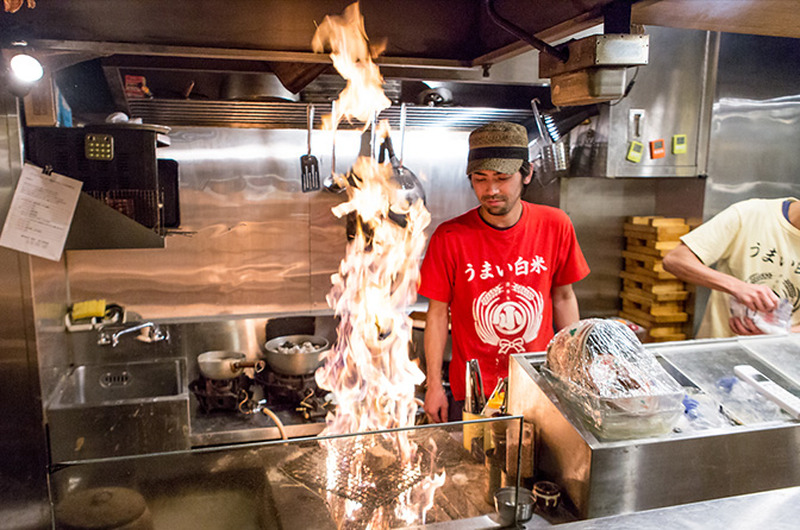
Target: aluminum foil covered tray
(620, 391)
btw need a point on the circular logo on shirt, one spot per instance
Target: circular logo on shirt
(508, 316)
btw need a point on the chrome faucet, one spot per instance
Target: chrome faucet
(111, 335)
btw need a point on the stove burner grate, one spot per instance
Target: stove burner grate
(378, 485)
(287, 389)
(220, 394)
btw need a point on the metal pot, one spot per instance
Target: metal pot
(283, 356)
(221, 364)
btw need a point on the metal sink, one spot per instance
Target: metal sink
(99, 411)
(114, 383)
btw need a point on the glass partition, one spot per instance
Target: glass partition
(384, 479)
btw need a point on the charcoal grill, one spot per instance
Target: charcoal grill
(377, 487)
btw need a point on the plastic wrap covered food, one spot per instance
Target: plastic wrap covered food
(600, 368)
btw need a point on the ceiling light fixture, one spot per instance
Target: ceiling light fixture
(20, 69)
(25, 68)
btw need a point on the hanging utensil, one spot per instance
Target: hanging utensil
(553, 157)
(409, 188)
(330, 183)
(308, 163)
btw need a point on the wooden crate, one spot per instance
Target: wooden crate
(666, 334)
(655, 229)
(658, 331)
(650, 247)
(643, 268)
(652, 297)
(651, 284)
(646, 318)
(650, 306)
(662, 295)
(656, 221)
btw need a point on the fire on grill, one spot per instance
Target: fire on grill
(371, 479)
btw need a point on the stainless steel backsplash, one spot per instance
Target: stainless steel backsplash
(251, 241)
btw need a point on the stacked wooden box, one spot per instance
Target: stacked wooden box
(651, 296)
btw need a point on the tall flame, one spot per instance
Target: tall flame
(368, 369)
(352, 54)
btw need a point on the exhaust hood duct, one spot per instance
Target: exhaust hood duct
(561, 54)
(588, 70)
(596, 70)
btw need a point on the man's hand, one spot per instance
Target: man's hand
(684, 264)
(436, 403)
(756, 297)
(744, 326)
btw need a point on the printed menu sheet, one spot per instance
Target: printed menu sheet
(41, 212)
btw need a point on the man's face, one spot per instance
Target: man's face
(498, 193)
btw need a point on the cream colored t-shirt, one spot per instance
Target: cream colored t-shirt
(752, 241)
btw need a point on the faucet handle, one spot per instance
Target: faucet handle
(112, 333)
(104, 338)
(155, 334)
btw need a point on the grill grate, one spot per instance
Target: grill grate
(143, 206)
(377, 486)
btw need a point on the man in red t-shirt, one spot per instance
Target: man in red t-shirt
(500, 275)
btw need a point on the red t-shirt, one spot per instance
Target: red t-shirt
(498, 284)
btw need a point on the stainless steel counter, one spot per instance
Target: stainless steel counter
(601, 478)
(749, 448)
(217, 428)
(291, 484)
(776, 510)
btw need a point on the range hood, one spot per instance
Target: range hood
(445, 40)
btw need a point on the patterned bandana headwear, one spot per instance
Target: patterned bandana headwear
(498, 146)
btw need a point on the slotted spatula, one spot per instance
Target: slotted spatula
(309, 165)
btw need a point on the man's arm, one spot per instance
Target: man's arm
(682, 262)
(565, 306)
(436, 330)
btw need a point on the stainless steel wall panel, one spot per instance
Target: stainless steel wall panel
(251, 242)
(50, 294)
(755, 128)
(23, 453)
(755, 125)
(256, 244)
(672, 95)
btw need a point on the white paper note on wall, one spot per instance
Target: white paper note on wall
(41, 212)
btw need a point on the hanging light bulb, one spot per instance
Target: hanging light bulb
(25, 68)
(20, 70)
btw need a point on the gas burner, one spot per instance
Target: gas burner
(315, 406)
(286, 389)
(300, 382)
(221, 394)
(299, 392)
